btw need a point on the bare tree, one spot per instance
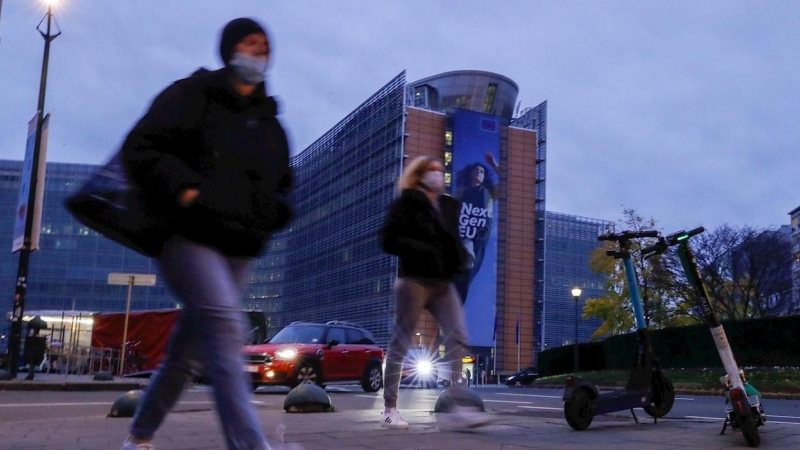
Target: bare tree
(747, 272)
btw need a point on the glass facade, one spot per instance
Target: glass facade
(570, 240)
(475, 90)
(328, 264)
(70, 270)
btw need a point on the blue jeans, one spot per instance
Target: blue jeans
(210, 331)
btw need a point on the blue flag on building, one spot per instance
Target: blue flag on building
(494, 330)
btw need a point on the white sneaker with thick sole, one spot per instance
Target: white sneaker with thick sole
(128, 445)
(393, 419)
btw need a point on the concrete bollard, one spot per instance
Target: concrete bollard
(307, 398)
(103, 376)
(125, 406)
(457, 397)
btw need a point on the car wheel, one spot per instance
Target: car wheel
(307, 372)
(373, 378)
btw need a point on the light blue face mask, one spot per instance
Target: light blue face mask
(250, 69)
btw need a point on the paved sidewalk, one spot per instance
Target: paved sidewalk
(61, 382)
(199, 430)
(194, 427)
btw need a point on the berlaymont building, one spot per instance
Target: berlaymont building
(328, 264)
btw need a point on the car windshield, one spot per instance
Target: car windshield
(299, 335)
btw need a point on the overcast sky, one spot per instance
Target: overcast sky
(686, 111)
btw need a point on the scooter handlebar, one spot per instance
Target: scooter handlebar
(675, 238)
(652, 250)
(696, 231)
(627, 235)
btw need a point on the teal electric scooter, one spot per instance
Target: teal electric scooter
(647, 386)
(743, 409)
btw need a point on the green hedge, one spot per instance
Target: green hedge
(773, 341)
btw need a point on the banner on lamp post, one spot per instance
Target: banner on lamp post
(21, 213)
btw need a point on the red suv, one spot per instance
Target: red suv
(304, 352)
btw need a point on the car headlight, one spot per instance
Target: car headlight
(424, 368)
(286, 354)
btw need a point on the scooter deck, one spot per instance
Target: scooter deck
(620, 400)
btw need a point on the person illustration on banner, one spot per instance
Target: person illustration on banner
(477, 190)
(211, 150)
(421, 229)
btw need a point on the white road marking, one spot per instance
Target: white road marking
(506, 401)
(541, 407)
(704, 418)
(533, 395)
(717, 419)
(40, 405)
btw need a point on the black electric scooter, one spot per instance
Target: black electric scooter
(647, 386)
(743, 409)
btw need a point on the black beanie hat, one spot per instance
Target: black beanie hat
(234, 32)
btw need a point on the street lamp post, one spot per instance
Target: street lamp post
(130, 279)
(576, 294)
(24, 252)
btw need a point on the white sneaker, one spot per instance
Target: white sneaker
(393, 419)
(128, 445)
(462, 418)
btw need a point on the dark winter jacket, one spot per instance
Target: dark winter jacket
(200, 133)
(425, 240)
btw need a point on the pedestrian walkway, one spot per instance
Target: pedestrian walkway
(62, 382)
(360, 430)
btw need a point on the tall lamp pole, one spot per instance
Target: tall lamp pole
(24, 253)
(576, 294)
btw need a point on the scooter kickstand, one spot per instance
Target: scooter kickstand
(634, 416)
(724, 427)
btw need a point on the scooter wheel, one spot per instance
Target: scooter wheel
(747, 423)
(663, 396)
(578, 410)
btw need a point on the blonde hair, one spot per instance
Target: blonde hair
(413, 172)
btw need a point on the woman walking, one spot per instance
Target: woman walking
(421, 228)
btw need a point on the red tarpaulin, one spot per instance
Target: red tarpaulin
(150, 329)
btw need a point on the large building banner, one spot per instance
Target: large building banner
(474, 181)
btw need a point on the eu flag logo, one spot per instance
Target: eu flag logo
(489, 125)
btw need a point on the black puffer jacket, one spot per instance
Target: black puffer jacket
(201, 133)
(425, 241)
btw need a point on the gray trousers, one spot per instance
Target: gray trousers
(441, 299)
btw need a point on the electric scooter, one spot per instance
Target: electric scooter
(743, 409)
(647, 386)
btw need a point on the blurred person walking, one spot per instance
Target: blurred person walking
(421, 228)
(211, 156)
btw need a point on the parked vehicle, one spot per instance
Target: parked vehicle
(304, 352)
(523, 377)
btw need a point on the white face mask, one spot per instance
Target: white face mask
(433, 180)
(251, 69)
